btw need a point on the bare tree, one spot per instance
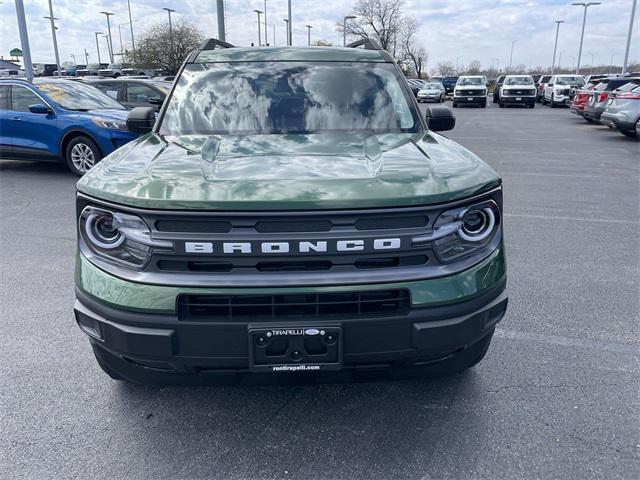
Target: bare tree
(412, 52)
(446, 68)
(474, 67)
(378, 19)
(153, 47)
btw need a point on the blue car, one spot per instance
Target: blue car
(60, 120)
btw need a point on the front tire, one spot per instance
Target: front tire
(552, 102)
(455, 105)
(82, 154)
(532, 105)
(629, 133)
(501, 104)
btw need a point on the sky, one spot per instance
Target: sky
(462, 30)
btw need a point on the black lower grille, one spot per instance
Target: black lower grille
(213, 308)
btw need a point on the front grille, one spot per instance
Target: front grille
(319, 306)
(470, 93)
(514, 92)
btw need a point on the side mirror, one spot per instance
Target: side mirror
(155, 100)
(141, 120)
(40, 108)
(549, 84)
(440, 118)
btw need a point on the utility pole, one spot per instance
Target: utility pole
(98, 46)
(274, 34)
(133, 42)
(593, 57)
(108, 14)
(120, 36)
(344, 29)
(86, 57)
(221, 30)
(308, 34)
(626, 53)
(289, 25)
(611, 63)
(513, 42)
(555, 47)
(169, 11)
(584, 21)
(73, 55)
(52, 19)
(24, 40)
(266, 39)
(259, 34)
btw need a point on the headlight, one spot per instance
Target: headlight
(110, 124)
(465, 231)
(118, 237)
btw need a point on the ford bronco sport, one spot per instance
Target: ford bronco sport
(289, 216)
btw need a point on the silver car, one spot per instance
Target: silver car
(623, 111)
(433, 91)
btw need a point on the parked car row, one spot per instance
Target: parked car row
(612, 101)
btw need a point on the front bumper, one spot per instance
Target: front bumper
(519, 100)
(470, 99)
(577, 110)
(434, 96)
(560, 99)
(139, 325)
(163, 343)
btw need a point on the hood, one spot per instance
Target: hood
(109, 114)
(528, 86)
(288, 172)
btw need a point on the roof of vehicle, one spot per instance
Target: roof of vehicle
(302, 54)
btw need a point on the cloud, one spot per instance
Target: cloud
(465, 29)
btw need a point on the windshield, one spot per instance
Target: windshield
(433, 86)
(471, 81)
(288, 97)
(77, 96)
(164, 87)
(519, 81)
(573, 81)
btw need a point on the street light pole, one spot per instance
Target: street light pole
(24, 40)
(611, 63)
(98, 46)
(52, 19)
(344, 29)
(289, 25)
(266, 39)
(592, 62)
(555, 47)
(169, 11)
(286, 22)
(133, 42)
(308, 34)
(86, 57)
(259, 34)
(457, 62)
(511, 55)
(108, 14)
(584, 21)
(221, 30)
(626, 53)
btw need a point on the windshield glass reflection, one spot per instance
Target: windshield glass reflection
(288, 97)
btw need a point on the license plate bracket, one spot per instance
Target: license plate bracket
(295, 349)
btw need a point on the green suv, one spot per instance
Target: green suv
(289, 215)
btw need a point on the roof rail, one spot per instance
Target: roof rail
(369, 44)
(213, 43)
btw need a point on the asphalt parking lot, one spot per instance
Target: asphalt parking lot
(556, 397)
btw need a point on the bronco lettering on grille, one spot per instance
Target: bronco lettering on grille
(319, 246)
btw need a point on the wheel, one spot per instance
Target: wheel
(455, 105)
(532, 105)
(483, 104)
(495, 99)
(552, 102)
(543, 100)
(82, 154)
(501, 104)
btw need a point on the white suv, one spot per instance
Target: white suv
(558, 90)
(470, 89)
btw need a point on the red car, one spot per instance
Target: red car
(580, 98)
